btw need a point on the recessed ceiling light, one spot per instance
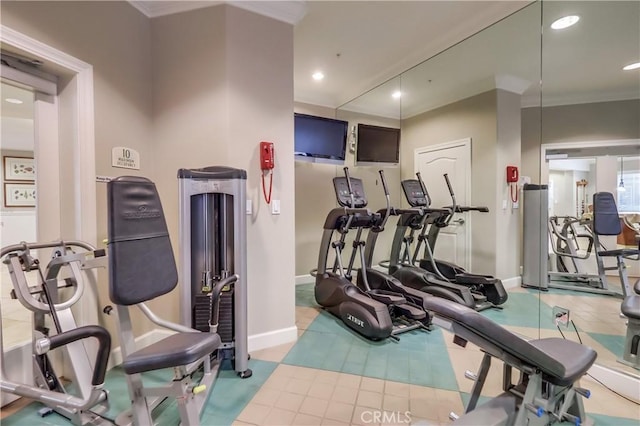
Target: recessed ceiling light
(632, 66)
(396, 95)
(13, 100)
(317, 76)
(565, 22)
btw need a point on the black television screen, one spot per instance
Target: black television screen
(377, 144)
(319, 138)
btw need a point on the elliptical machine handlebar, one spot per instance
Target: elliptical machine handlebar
(453, 199)
(346, 175)
(424, 189)
(380, 227)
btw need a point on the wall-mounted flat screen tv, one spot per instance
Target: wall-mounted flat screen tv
(377, 144)
(319, 139)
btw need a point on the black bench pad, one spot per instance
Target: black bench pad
(561, 361)
(631, 307)
(173, 351)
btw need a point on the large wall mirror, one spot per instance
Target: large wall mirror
(557, 104)
(589, 127)
(460, 115)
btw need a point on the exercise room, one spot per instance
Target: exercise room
(307, 212)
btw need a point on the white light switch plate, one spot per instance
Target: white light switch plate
(275, 206)
(249, 207)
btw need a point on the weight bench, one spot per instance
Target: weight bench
(550, 368)
(141, 268)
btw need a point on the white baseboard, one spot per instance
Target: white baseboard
(304, 279)
(626, 384)
(512, 282)
(273, 338)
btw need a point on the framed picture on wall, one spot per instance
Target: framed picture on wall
(19, 194)
(19, 168)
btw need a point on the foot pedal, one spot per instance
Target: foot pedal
(410, 312)
(45, 411)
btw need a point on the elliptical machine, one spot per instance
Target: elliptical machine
(371, 310)
(486, 291)
(405, 275)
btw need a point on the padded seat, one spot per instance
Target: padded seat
(631, 307)
(575, 358)
(173, 351)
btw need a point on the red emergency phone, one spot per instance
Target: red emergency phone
(267, 160)
(512, 179)
(267, 163)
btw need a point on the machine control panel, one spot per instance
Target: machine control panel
(342, 192)
(414, 193)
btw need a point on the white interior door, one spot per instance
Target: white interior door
(454, 159)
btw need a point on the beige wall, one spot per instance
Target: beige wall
(115, 39)
(474, 117)
(223, 82)
(188, 90)
(508, 243)
(599, 121)
(315, 195)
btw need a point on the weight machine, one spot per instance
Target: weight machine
(83, 401)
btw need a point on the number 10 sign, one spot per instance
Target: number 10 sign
(125, 158)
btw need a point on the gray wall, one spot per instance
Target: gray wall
(315, 195)
(599, 121)
(474, 117)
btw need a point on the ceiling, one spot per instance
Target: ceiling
(581, 64)
(360, 44)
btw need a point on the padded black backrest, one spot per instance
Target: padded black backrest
(492, 332)
(141, 262)
(605, 214)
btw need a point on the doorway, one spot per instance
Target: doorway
(454, 159)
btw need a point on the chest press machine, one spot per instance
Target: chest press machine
(60, 285)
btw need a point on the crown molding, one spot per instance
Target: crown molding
(290, 12)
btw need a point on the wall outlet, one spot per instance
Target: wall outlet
(249, 207)
(516, 205)
(504, 204)
(275, 206)
(560, 316)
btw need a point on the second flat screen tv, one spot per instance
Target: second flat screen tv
(319, 139)
(377, 144)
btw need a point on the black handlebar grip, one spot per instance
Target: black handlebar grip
(384, 182)
(104, 346)
(346, 175)
(446, 178)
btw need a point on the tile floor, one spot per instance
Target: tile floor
(331, 376)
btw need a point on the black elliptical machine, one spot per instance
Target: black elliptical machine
(400, 267)
(487, 290)
(375, 313)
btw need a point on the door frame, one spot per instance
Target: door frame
(544, 169)
(466, 143)
(77, 101)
